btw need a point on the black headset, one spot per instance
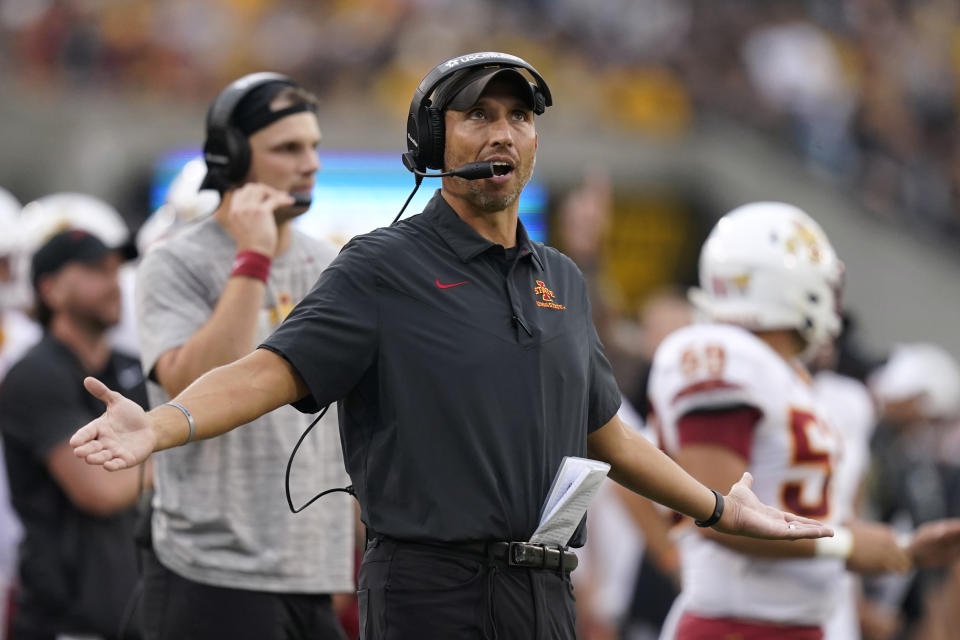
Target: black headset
(226, 150)
(425, 128)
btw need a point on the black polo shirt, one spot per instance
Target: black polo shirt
(464, 373)
(77, 570)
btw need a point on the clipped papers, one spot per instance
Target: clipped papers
(575, 484)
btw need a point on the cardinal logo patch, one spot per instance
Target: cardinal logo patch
(547, 298)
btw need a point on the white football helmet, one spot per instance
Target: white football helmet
(57, 212)
(920, 369)
(9, 215)
(769, 265)
(12, 291)
(184, 203)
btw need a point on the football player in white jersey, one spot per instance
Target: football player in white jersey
(734, 395)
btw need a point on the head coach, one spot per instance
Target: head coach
(466, 366)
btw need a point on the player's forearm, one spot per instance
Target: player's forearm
(93, 490)
(227, 397)
(228, 335)
(639, 466)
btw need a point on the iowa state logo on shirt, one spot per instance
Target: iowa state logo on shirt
(547, 299)
(281, 309)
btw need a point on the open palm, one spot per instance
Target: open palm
(745, 515)
(121, 437)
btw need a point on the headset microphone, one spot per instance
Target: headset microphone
(302, 199)
(472, 171)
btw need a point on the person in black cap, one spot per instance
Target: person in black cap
(77, 559)
(228, 560)
(467, 367)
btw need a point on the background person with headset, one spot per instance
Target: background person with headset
(467, 366)
(229, 560)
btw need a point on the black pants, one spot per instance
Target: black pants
(175, 608)
(413, 592)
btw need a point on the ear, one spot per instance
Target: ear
(51, 290)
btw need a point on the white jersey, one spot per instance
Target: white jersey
(851, 409)
(17, 334)
(792, 451)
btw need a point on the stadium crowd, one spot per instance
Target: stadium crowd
(864, 90)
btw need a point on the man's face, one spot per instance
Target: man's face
(284, 156)
(499, 128)
(88, 292)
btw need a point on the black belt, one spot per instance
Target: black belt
(537, 556)
(515, 554)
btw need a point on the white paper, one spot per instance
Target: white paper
(575, 484)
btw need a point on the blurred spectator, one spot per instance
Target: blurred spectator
(797, 71)
(52, 213)
(17, 334)
(65, 505)
(916, 469)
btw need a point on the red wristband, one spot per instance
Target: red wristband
(252, 265)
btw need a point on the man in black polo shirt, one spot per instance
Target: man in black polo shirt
(466, 366)
(77, 559)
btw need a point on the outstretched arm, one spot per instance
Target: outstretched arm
(641, 467)
(219, 401)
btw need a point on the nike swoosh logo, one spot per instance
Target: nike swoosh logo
(447, 286)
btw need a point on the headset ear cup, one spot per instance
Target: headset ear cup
(539, 100)
(433, 138)
(413, 143)
(238, 151)
(217, 157)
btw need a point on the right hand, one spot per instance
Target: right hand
(935, 544)
(876, 549)
(119, 438)
(250, 219)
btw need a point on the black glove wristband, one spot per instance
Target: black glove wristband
(717, 512)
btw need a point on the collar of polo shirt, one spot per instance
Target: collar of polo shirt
(467, 243)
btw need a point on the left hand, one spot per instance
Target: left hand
(935, 544)
(745, 515)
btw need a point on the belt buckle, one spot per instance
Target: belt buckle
(520, 554)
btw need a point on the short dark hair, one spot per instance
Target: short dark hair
(294, 95)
